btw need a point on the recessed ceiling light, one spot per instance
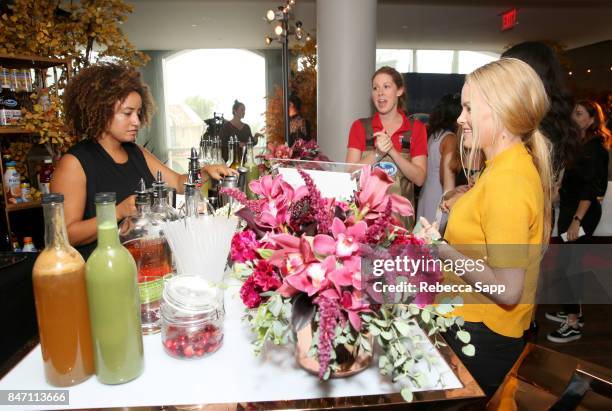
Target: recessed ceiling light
(194, 25)
(404, 27)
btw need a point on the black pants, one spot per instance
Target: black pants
(495, 354)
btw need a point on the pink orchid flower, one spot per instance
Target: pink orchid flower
(345, 241)
(373, 197)
(314, 277)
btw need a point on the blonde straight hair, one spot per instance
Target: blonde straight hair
(518, 100)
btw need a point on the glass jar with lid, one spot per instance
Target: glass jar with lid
(192, 317)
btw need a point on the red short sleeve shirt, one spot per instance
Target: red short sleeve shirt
(418, 139)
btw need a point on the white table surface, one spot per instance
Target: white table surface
(231, 375)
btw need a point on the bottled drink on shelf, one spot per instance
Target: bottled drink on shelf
(12, 183)
(10, 110)
(26, 195)
(28, 246)
(60, 295)
(46, 171)
(114, 301)
(16, 248)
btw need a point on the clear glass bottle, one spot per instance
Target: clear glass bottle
(141, 234)
(192, 317)
(191, 198)
(161, 210)
(230, 152)
(253, 169)
(60, 294)
(114, 302)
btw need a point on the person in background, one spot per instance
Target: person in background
(105, 105)
(582, 189)
(299, 127)
(441, 146)
(510, 204)
(389, 139)
(235, 128)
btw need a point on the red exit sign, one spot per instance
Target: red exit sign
(508, 19)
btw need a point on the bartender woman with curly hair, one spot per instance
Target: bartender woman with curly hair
(105, 106)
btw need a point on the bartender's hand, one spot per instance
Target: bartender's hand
(217, 171)
(126, 208)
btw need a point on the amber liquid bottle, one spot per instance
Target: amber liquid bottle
(60, 294)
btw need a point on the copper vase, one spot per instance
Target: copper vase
(350, 359)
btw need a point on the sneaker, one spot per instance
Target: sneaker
(565, 333)
(561, 317)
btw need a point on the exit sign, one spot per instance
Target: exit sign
(508, 19)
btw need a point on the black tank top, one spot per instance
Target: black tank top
(104, 174)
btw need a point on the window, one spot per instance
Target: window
(471, 60)
(198, 83)
(399, 59)
(434, 61)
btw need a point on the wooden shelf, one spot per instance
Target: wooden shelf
(14, 130)
(30, 61)
(22, 206)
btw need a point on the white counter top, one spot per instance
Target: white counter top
(232, 374)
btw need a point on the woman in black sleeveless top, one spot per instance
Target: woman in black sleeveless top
(105, 105)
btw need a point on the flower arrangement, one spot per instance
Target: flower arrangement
(300, 263)
(300, 150)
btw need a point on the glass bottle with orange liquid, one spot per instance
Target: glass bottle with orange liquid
(60, 294)
(141, 234)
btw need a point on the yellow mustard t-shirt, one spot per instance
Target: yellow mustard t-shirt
(502, 215)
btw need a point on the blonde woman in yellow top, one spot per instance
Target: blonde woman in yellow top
(504, 219)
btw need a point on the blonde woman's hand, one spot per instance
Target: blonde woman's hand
(217, 171)
(452, 196)
(427, 231)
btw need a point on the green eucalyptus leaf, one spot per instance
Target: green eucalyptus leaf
(407, 394)
(444, 308)
(275, 306)
(464, 336)
(400, 361)
(425, 316)
(468, 350)
(402, 327)
(387, 335)
(365, 344)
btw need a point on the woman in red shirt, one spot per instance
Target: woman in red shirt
(389, 139)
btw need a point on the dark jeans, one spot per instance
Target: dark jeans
(495, 354)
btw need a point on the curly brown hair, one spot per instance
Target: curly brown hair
(91, 96)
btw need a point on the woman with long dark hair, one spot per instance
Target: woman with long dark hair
(582, 189)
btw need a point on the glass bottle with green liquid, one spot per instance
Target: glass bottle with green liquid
(114, 302)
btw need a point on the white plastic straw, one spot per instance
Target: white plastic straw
(201, 245)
